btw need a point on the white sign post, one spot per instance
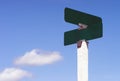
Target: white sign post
(82, 61)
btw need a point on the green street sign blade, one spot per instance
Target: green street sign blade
(76, 17)
(73, 36)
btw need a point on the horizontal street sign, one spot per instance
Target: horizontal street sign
(73, 36)
(76, 17)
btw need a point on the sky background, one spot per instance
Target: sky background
(29, 26)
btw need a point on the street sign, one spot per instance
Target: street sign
(76, 17)
(90, 27)
(73, 36)
(93, 28)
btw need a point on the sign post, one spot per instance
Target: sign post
(82, 61)
(90, 27)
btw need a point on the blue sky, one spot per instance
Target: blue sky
(27, 25)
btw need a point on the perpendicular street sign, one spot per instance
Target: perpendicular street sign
(73, 36)
(93, 23)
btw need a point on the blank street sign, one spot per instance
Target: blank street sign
(93, 30)
(76, 17)
(73, 36)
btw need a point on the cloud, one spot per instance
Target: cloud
(13, 74)
(36, 57)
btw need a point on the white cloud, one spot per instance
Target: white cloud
(13, 74)
(38, 57)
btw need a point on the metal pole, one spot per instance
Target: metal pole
(82, 61)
